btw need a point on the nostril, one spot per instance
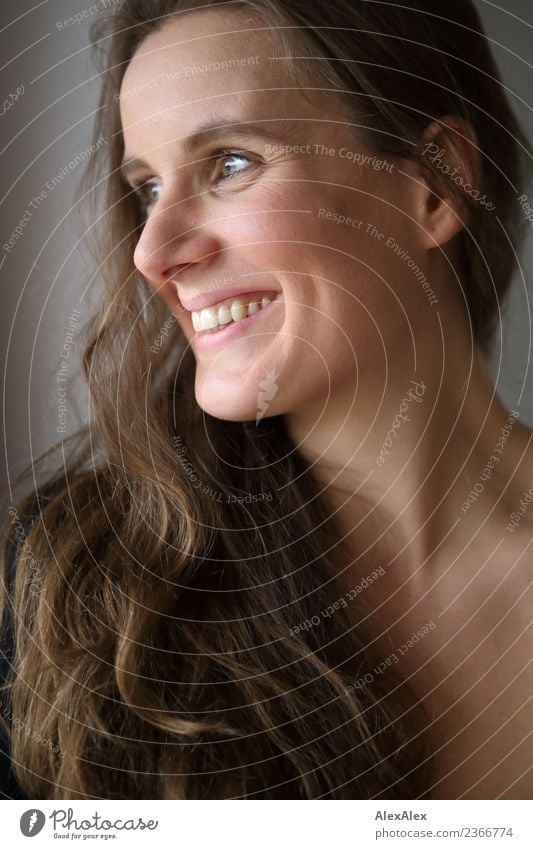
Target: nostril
(170, 273)
(173, 275)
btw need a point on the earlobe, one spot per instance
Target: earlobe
(450, 171)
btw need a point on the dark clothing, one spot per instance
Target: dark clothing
(9, 789)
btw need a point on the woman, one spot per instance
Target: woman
(276, 564)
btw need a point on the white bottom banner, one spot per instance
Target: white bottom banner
(263, 825)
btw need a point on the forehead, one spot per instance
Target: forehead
(205, 63)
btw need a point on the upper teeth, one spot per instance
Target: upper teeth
(219, 315)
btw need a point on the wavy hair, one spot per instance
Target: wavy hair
(166, 598)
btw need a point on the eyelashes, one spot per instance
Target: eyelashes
(141, 192)
(143, 189)
(221, 155)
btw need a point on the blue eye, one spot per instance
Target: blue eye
(222, 155)
(143, 191)
(148, 192)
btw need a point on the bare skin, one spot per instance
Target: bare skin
(469, 574)
(353, 338)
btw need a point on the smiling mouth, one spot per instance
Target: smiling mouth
(215, 339)
(212, 320)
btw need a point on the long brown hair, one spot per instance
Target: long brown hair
(175, 642)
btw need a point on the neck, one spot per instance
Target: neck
(398, 454)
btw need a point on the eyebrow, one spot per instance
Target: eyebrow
(210, 132)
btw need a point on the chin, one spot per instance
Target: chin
(231, 401)
(225, 402)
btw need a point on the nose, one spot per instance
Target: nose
(169, 244)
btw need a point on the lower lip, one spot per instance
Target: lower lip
(204, 342)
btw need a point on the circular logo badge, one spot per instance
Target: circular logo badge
(32, 822)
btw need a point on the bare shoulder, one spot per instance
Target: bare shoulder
(517, 518)
(522, 454)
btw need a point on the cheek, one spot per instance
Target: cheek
(327, 250)
(269, 216)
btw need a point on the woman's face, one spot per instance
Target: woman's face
(286, 207)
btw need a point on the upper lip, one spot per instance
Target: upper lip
(209, 299)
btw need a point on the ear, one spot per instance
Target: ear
(450, 146)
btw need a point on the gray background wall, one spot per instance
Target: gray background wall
(44, 274)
